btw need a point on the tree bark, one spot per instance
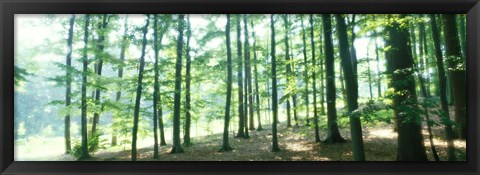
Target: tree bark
(333, 135)
(85, 153)
(68, 91)
(456, 65)
(400, 64)
(257, 90)
(352, 90)
(442, 79)
(136, 113)
(241, 114)
(177, 146)
(275, 147)
(315, 112)
(226, 144)
(188, 78)
(306, 78)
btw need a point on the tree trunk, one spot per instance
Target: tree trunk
(100, 47)
(156, 42)
(120, 75)
(188, 118)
(275, 147)
(226, 145)
(442, 79)
(314, 75)
(248, 73)
(306, 79)
(177, 146)
(136, 113)
(377, 59)
(241, 114)
(400, 61)
(68, 91)
(85, 153)
(333, 135)
(288, 68)
(352, 90)
(257, 95)
(456, 65)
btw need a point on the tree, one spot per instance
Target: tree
(155, 86)
(442, 80)
(188, 78)
(315, 113)
(257, 93)
(68, 144)
(241, 114)
(138, 96)
(123, 48)
(99, 56)
(85, 153)
(226, 145)
(275, 147)
(248, 78)
(333, 135)
(456, 66)
(352, 90)
(177, 147)
(400, 65)
(289, 75)
(305, 72)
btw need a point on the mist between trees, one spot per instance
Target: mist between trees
(240, 87)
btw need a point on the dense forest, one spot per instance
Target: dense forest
(315, 87)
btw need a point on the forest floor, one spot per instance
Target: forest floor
(296, 143)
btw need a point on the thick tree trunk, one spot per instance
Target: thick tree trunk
(226, 144)
(400, 63)
(177, 146)
(68, 91)
(136, 113)
(352, 90)
(315, 112)
(188, 78)
(275, 147)
(85, 153)
(442, 79)
(333, 135)
(456, 65)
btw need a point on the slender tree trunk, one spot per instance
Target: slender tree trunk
(177, 146)
(120, 75)
(85, 153)
(306, 78)
(377, 59)
(155, 87)
(188, 118)
(463, 32)
(136, 113)
(442, 79)
(241, 114)
(68, 91)
(352, 88)
(315, 112)
(369, 73)
(322, 77)
(333, 135)
(226, 145)
(456, 65)
(100, 47)
(275, 147)
(248, 74)
(400, 61)
(255, 62)
(288, 68)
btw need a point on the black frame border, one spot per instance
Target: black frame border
(10, 7)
